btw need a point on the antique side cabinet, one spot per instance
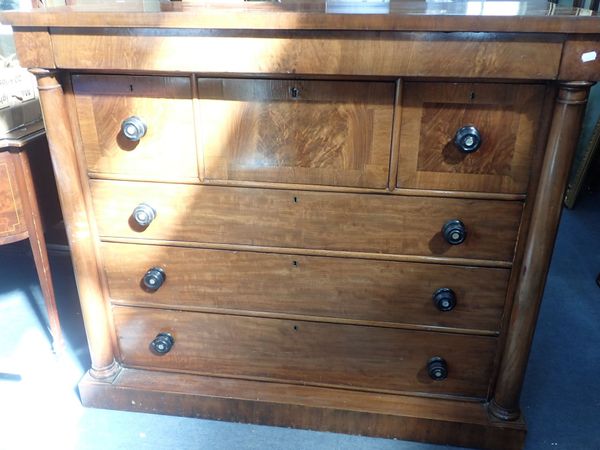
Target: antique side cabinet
(309, 214)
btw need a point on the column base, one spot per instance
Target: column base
(503, 413)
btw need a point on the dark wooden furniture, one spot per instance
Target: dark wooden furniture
(19, 210)
(287, 214)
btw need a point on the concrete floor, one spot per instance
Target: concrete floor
(561, 396)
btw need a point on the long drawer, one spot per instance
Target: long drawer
(351, 289)
(314, 220)
(384, 359)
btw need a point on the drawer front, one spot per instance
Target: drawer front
(163, 104)
(305, 352)
(506, 117)
(11, 210)
(314, 220)
(351, 289)
(296, 131)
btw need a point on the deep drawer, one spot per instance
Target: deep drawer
(163, 105)
(383, 359)
(506, 119)
(385, 292)
(314, 220)
(296, 131)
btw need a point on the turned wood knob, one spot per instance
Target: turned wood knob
(444, 299)
(437, 368)
(162, 343)
(154, 278)
(454, 232)
(467, 139)
(133, 128)
(144, 214)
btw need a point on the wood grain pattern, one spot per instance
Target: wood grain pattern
(342, 53)
(37, 241)
(72, 201)
(507, 117)
(573, 67)
(560, 148)
(383, 359)
(439, 421)
(334, 221)
(380, 291)
(103, 102)
(296, 131)
(530, 16)
(12, 221)
(34, 47)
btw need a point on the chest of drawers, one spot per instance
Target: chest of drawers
(279, 214)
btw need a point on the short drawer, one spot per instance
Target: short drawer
(157, 115)
(354, 356)
(315, 220)
(468, 136)
(296, 131)
(349, 289)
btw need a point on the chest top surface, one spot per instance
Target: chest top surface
(528, 16)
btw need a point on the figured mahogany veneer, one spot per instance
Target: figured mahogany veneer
(305, 352)
(325, 288)
(314, 220)
(296, 131)
(299, 165)
(164, 104)
(506, 115)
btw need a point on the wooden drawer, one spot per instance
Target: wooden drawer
(296, 131)
(348, 289)
(12, 221)
(314, 220)
(506, 116)
(384, 359)
(164, 105)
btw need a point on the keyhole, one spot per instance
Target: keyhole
(131, 88)
(295, 327)
(295, 199)
(295, 263)
(295, 92)
(472, 96)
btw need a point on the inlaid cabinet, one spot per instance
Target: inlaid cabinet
(289, 214)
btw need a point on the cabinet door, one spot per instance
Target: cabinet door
(506, 117)
(161, 144)
(291, 131)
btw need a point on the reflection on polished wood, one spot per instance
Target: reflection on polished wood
(314, 132)
(383, 359)
(277, 52)
(529, 16)
(333, 221)
(506, 116)
(164, 104)
(300, 164)
(377, 291)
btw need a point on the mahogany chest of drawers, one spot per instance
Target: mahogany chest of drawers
(285, 215)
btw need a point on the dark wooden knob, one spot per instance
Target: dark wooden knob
(444, 299)
(133, 128)
(454, 232)
(144, 214)
(162, 343)
(154, 278)
(437, 368)
(467, 139)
